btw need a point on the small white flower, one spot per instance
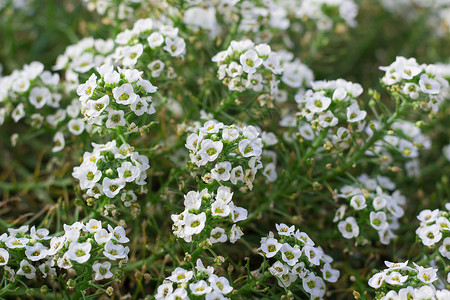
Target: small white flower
(218, 236)
(354, 114)
(250, 61)
(429, 85)
(289, 254)
(4, 257)
(377, 280)
(395, 278)
(118, 234)
(200, 288)
(112, 187)
(115, 251)
(102, 270)
(317, 102)
(27, 269)
(348, 228)
(283, 229)
(124, 94)
(358, 202)
(330, 274)
(180, 275)
(247, 148)
(221, 171)
(36, 252)
(79, 252)
(378, 220)
(220, 284)
(235, 233)
(194, 224)
(93, 225)
(270, 247)
(155, 39)
(115, 118)
(128, 172)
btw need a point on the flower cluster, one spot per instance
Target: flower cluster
(28, 252)
(297, 257)
(122, 10)
(30, 92)
(331, 110)
(434, 227)
(296, 77)
(420, 84)
(208, 214)
(405, 138)
(373, 204)
(400, 281)
(326, 13)
(152, 39)
(229, 153)
(84, 56)
(246, 66)
(199, 283)
(110, 172)
(116, 96)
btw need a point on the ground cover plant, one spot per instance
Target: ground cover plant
(235, 149)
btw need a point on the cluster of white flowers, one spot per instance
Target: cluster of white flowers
(420, 84)
(324, 14)
(374, 204)
(131, 94)
(434, 227)
(405, 138)
(399, 281)
(110, 172)
(296, 77)
(121, 10)
(28, 92)
(229, 153)
(28, 252)
(330, 108)
(298, 258)
(82, 57)
(199, 283)
(209, 214)
(246, 66)
(152, 38)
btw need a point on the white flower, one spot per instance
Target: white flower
(379, 202)
(254, 82)
(348, 228)
(115, 251)
(93, 225)
(377, 280)
(27, 269)
(235, 233)
(102, 270)
(358, 202)
(194, 224)
(313, 285)
(88, 174)
(40, 234)
(164, 290)
(156, 67)
(395, 278)
(155, 39)
(220, 208)
(102, 236)
(237, 213)
(118, 234)
(39, 96)
(115, 118)
(124, 94)
(314, 254)
(221, 171)
(59, 142)
(429, 85)
(36, 252)
(176, 46)
(12, 242)
(378, 220)
(180, 275)
(86, 90)
(211, 127)
(430, 235)
(444, 249)
(354, 114)
(270, 247)
(220, 284)
(200, 288)
(428, 216)
(234, 69)
(128, 172)
(426, 275)
(317, 102)
(56, 243)
(79, 252)
(112, 187)
(218, 236)
(131, 54)
(237, 174)
(289, 254)
(330, 274)
(247, 148)
(4, 257)
(96, 107)
(250, 61)
(283, 229)
(211, 149)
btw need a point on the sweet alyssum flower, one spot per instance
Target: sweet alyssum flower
(208, 216)
(297, 258)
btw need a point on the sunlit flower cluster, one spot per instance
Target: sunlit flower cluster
(31, 252)
(117, 96)
(244, 66)
(198, 283)
(111, 173)
(208, 217)
(227, 153)
(420, 84)
(372, 203)
(434, 228)
(297, 257)
(400, 281)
